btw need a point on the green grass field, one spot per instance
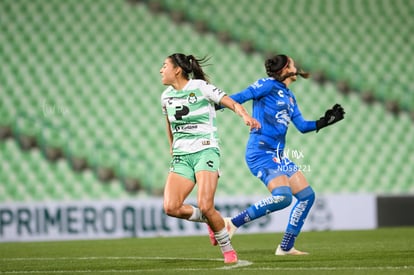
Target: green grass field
(382, 251)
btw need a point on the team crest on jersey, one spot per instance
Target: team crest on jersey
(192, 98)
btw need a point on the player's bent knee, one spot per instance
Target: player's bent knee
(171, 210)
(281, 201)
(283, 196)
(207, 209)
(306, 194)
(287, 200)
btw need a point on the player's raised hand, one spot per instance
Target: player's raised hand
(333, 115)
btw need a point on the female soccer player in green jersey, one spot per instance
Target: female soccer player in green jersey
(189, 106)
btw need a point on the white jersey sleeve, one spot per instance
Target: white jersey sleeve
(211, 92)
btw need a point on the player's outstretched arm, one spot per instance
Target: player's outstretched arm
(239, 109)
(333, 115)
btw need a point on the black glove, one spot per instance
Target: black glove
(331, 116)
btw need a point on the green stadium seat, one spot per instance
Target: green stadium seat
(94, 89)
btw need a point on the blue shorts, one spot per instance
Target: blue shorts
(269, 164)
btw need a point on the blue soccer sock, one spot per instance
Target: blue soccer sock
(305, 199)
(281, 198)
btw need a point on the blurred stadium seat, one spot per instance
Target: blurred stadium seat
(366, 43)
(82, 76)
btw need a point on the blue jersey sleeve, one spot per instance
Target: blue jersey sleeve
(258, 89)
(242, 96)
(300, 123)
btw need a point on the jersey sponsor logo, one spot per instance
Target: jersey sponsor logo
(181, 111)
(185, 127)
(283, 117)
(280, 93)
(210, 163)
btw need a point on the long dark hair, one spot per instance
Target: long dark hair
(190, 65)
(275, 65)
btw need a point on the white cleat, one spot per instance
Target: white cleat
(230, 227)
(293, 251)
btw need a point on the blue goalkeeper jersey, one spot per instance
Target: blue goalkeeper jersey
(274, 106)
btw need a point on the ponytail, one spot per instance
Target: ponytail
(190, 65)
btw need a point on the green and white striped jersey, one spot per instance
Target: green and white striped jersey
(192, 116)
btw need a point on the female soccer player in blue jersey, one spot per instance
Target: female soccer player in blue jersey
(188, 104)
(274, 106)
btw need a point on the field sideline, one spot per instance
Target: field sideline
(382, 251)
